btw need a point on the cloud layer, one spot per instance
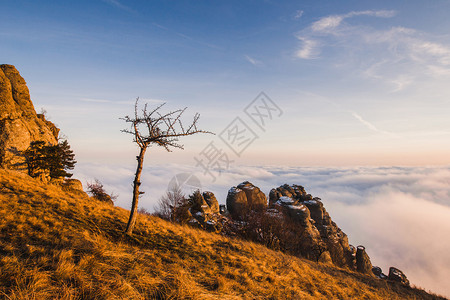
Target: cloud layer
(401, 214)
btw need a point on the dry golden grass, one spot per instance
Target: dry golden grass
(59, 245)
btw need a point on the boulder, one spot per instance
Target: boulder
(245, 197)
(295, 192)
(203, 211)
(398, 276)
(198, 203)
(256, 200)
(363, 264)
(236, 202)
(316, 210)
(19, 123)
(378, 272)
(211, 201)
(298, 213)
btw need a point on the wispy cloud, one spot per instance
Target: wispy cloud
(117, 4)
(398, 56)
(298, 14)
(330, 23)
(370, 125)
(253, 61)
(327, 24)
(309, 49)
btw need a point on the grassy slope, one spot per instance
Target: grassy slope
(55, 244)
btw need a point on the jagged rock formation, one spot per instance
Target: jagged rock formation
(394, 275)
(397, 275)
(378, 272)
(245, 197)
(212, 202)
(202, 210)
(363, 263)
(294, 222)
(19, 123)
(320, 230)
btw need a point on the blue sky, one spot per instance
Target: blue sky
(359, 82)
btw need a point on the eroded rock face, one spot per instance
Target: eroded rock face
(363, 263)
(320, 230)
(236, 202)
(212, 202)
(394, 275)
(19, 123)
(378, 272)
(204, 211)
(398, 276)
(245, 197)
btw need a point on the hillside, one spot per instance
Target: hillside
(58, 244)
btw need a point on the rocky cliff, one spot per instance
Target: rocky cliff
(19, 123)
(310, 213)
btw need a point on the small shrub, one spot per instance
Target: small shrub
(97, 191)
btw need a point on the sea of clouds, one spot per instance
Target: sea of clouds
(400, 214)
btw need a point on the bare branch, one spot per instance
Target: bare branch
(162, 129)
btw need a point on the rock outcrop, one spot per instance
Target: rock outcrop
(203, 211)
(398, 276)
(310, 213)
(378, 272)
(19, 123)
(363, 263)
(294, 222)
(245, 197)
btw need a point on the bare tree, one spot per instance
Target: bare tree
(153, 127)
(170, 202)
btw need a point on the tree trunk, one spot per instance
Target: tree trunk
(136, 184)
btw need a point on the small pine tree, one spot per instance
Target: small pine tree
(53, 160)
(35, 158)
(60, 159)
